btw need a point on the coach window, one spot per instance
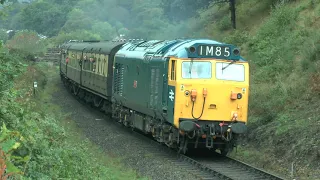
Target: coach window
(72, 59)
(98, 65)
(94, 64)
(87, 62)
(102, 65)
(78, 60)
(84, 62)
(173, 70)
(106, 65)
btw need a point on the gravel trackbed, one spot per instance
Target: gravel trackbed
(115, 140)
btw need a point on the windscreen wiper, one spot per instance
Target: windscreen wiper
(190, 67)
(229, 64)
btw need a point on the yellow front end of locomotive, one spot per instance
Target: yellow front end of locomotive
(210, 90)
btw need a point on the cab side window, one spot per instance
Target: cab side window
(173, 70)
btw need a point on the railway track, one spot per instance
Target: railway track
(209, 166)
(214, 167)
(204, 166)
(232, 169)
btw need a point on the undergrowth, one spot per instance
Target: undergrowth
(34, 144)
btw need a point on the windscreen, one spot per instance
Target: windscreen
(196, 70)
(234, 72)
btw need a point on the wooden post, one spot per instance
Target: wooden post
(35, 85)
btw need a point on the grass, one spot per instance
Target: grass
(90, 151)
(281, 40)
(53, 148)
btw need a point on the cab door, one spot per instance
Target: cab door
(171, 91)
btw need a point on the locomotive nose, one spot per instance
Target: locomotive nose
(213, 102)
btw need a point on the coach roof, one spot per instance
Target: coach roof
(103, 47)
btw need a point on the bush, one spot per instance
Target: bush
(310, 51)
(76, 35)
(27, 43)
(3, 36)
(224, 23)
(33, 143)
(10, 67)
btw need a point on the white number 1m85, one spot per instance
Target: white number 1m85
(214, 51)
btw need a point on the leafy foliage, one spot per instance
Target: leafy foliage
(10, 67)
(3, 36)
(10, 143)
(281, 41)
(27, 43)
(134, 18)
(76, 35)
(39, 147)
(43, 18)
(181, 10)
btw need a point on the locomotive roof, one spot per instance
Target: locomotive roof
(104, 47)
(189, 48)
(175, 48)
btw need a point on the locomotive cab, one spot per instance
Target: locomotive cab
(210, 102)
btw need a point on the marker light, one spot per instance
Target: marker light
(233, 96)
(236, 52)
(192, 49)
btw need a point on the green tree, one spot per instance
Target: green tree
(179, 10)
(27, 43)
(3, 36)
(76, 35)
(77, 20)
(43, 17)
(104, 29)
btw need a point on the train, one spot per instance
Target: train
(189, 94)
